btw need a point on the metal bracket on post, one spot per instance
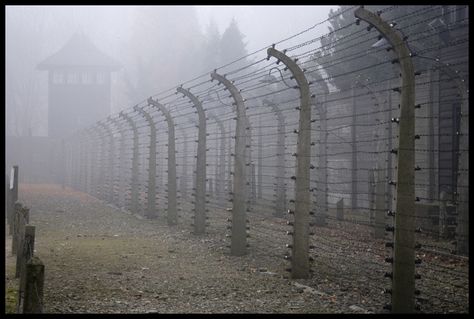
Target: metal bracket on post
(280, 205)
(151, 188)
(238, 245)
(403, 289)
(134, 181)
(172, 212)
(300, 247)
(200, 197)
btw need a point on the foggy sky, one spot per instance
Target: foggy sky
(264, 25)
(34, 33)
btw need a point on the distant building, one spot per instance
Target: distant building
(78, 94)
(78, 86)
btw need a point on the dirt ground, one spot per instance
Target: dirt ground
(99, 259)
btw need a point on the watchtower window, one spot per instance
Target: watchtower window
(58, 77)
(100, 77)
(72, 78)
(86, 78)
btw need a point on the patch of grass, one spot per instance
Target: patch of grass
(11, 300)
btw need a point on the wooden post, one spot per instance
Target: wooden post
(403, 283)
(22, 256)
(9, 208)
(27, 253)
(13, 195)
(16, 226)
(34, 282)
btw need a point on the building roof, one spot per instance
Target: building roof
(79, 51)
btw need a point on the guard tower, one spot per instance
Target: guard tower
(78, 86)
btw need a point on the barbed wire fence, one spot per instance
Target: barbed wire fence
(361, 190)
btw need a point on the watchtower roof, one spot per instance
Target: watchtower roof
(79, 51)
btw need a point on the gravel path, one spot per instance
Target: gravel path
(99, 259)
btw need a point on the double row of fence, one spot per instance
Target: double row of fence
(246, 149)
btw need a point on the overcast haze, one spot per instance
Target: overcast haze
(263, 25)
(170, 40)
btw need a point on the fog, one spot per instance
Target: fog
(221, 159)
(157, 46)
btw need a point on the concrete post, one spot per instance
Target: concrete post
(389, 166)
(92, 163)
(322, 193)
(403, 289)
(183, 182)
(260, 159)
(107, 189)
(101, 142)
(239, 210)
(83, 160)
(253, 184)
(251, 187)
(220, 177)
(34, 283)
(95, 162)
(134, 181)
(172, 212)
(323, 164)
(340, 210)
(151, 187)
(229, 166)
(371, 194)
(119, 197)
(431, 135)
(87, 160)
(380, 207)
(200, 197)
(462, 192)
(300, 248)
(71, 163)
(354, 152)
(62, 164)
(113, 163)
(280, 204)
